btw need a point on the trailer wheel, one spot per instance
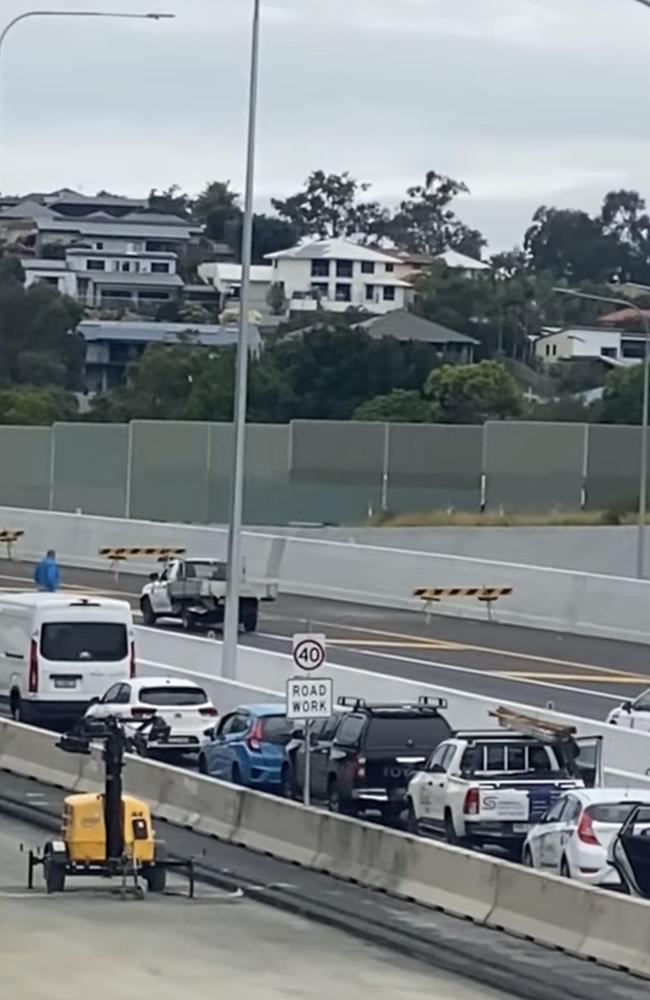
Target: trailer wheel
(187, 620)
(54, 871)
(156, 878)
(148, 617)
(248, 614)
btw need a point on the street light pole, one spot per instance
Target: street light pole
(643, 460)
(234, 570)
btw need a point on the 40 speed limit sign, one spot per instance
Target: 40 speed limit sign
(309, 651)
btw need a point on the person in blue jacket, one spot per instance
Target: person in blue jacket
(47, 575)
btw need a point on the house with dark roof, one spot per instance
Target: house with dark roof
(409, 328)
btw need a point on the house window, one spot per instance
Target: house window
(319, 290)
(343, 293)
(554, 350)
(99, 246)
(344, 269)
(367, 267)
(159, 267)
(95, 265)
(390, 268)
(126, 266)
(389, 293)
(547, 350)
(370, 293)
(116, 265)
(320, 269)
(609, 352)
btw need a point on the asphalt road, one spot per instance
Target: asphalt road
(580, 675)
(167, 948)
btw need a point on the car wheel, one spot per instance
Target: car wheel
(450, 831)
(187, 622)
(156, 878)
(148, 617)
(287, 784)
(235, 775)
(15, 707)
(203, 765)
(412, 823)
(527, 858)
(54, 872)
(565, 870)
(249, 616)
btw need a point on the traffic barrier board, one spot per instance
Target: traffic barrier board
(309, 651)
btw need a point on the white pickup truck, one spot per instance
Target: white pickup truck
(480, 788)
(194, 590)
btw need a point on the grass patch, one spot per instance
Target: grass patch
(498, 519)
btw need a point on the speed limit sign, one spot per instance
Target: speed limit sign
(309, 651)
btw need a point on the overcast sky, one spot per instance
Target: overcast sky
(528, 101)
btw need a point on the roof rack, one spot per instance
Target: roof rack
(528, 725)
(424, 702)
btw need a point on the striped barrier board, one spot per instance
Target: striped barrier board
(115, 554)
(486, 595)
(9, 538)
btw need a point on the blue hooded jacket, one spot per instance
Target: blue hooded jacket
(46, 576)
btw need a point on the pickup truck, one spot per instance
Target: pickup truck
(194, 590)
(488, 788)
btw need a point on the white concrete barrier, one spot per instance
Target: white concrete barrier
(588, 922)
(582, 603)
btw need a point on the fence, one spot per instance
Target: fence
(315, 471)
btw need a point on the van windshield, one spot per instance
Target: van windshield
(105, 642)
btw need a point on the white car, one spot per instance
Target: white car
(575, 836)
(183, 705)
(633, 714)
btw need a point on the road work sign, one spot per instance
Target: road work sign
(309, 651)
(309, 699)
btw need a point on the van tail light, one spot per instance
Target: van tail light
(142, 713)
(359, 769)
(212, 712)
(132, 663)
(471, 806)
(255, 737)
(32, 686)
(585, 830)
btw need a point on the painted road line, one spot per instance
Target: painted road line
(455, 668)
(77, 588)
(391, 643)
(597, 678)
(466, 647)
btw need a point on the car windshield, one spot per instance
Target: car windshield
(179, 696)
(421, 733)
(277, 729)
(84, 641)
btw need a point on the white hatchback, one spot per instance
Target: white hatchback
(632, 714)
(575, 836)
(183, 705)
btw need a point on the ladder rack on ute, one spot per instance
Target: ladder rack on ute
(528, 725)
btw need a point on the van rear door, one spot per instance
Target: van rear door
(81, 650)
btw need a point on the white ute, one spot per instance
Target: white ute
(632, 714)
(194, 590)
(489, 787)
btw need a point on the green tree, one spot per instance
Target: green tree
(173, 201)
(424, 222)
(329, 207)
(216, 206)
(472, 394)
(36, 406)
(269, 236)
(398, 406)
(623, 396)
(276, 299)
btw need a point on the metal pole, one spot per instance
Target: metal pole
(233, 579)
(307, 788)
(643, 458)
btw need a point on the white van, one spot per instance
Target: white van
(58, 651)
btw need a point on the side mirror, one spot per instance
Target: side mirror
(438, 769)
(210, 733)
(154, 577)
(626, 706)
(95, 701)
(298, 734)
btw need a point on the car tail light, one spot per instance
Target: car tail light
(142, 713)
(585, 830)
(359, 768)
(132, 663)
(212, 712)
(254, 738)
(33, 668)
(471, 806)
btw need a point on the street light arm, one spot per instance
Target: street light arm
(79, 13)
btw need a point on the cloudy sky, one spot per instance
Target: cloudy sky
(528, 101)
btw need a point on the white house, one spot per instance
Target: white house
(226, 278)
(336, 275)
(413, 264)
(110, 280)
(613, 347)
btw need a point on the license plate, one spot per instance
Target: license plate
(65, 682)
(177, 739)
(520, 827)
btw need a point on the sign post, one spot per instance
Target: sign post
(309, 698)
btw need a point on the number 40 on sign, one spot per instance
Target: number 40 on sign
(309, 651)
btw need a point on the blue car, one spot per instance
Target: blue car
(247, 747)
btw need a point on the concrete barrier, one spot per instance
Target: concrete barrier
(565, 600)
(597, 925)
